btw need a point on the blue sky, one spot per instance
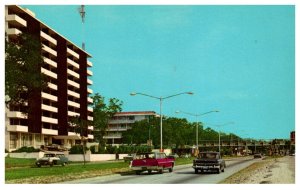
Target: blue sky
(239, 60)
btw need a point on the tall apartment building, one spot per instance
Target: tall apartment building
(122, 121)
(67, 93)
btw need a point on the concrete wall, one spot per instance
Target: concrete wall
(26, 155)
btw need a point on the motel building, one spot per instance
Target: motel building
(67, 95)
(123, 121)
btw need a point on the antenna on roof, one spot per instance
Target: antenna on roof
(82, 15)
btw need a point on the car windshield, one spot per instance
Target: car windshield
(49, 155)
(142, 156)
(208, 155)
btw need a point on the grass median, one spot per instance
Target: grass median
(24, 171)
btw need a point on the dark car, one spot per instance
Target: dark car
(209, 161)
(52, 159)
(258, 155)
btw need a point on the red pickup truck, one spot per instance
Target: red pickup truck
(155, 161)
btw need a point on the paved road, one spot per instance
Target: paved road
(183, 174)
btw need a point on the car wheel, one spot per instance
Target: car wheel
(149, 171)
(63, 164)
(196, 171)
(223, 169)
(219, 171)
(160, 171)
(171, 169)
(51, 164)
(138, 172)
(38, 165)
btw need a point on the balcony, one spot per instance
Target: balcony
(49, 131)
(90, 118)
(17, 128)
(73, 53)
(72, 83)
(89, 64)
(15, 20)
(16, 114)
(90, 109)
(49, 108)
(48, 38)
(90, 100)
(90, 82)
(70, 72)
(73, 63)
(72, 93)
(49, 96)
(113, 136)
(118, 128)
(91, 128)
(90, 136)
(74, 104)
(52, 86)
(121, 121)
(49, 73)
(49, 120)
(13, 32)
(90, 91)
(50, 62)
(72, 114)
(90, 73)
(49, 50)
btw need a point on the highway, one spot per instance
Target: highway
(183, 174)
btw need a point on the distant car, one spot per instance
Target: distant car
(156, 161)
(52, 159)
(257, 155)
(209, 161)
(173, 156)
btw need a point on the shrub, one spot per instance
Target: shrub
(77, 149)
(27, 149)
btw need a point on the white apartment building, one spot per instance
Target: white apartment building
(122, 121)
(67, 95)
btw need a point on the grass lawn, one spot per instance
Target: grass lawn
(24, 170)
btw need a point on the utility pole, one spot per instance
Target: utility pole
(82, 15)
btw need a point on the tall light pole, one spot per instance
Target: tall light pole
(197, 127)
(160, 108)
(220, 131)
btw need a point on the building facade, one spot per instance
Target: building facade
(123, 121)
(68, 70)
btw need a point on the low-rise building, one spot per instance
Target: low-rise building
(122, 121)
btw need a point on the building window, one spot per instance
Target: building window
(26, 139)
(13, 140)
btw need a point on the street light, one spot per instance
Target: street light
(220, 131)
(197, 115)
(160, 101)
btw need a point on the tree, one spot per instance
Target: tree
(23, 62)
(102, 113)
(80, 126)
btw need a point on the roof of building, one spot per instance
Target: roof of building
(135, 113)
(27, 11)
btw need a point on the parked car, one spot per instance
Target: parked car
(155, 161)
(258, 155)
(52, 159)
(173, 156)
(209, 161)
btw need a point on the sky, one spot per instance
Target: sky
(239, 60)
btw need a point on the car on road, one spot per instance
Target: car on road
(154, 161)
(52, 159)
(257, 155)
(209, 161)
